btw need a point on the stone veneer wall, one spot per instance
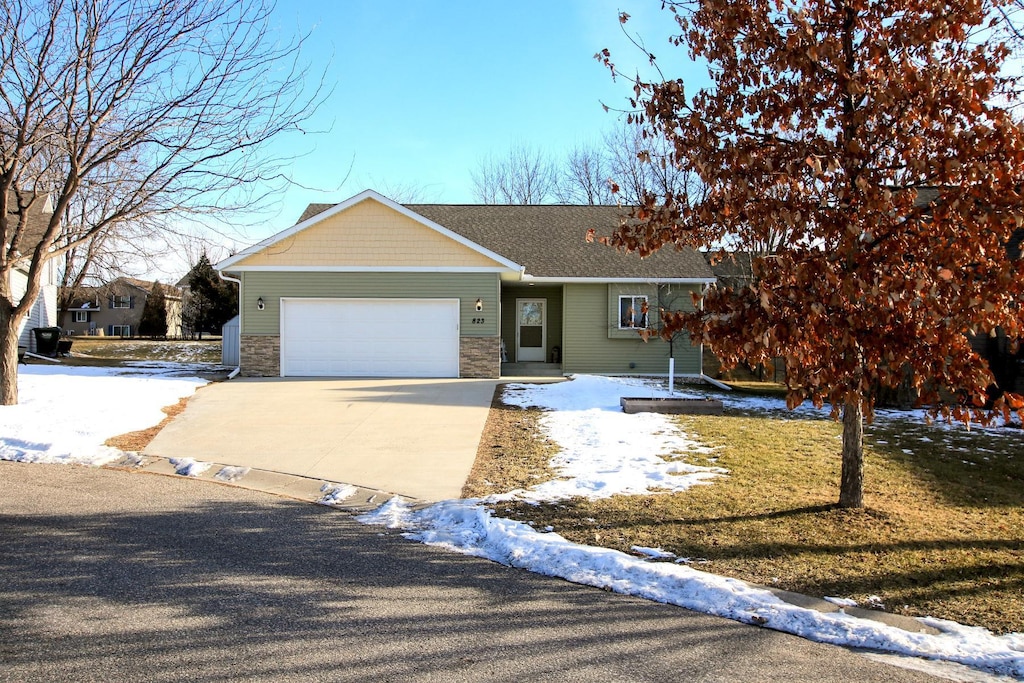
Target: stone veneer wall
(480, 357)
(260, 356)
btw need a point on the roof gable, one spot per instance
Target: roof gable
(38, 220)
(544, 241)
(367, 232)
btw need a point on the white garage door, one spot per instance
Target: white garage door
(370, 338)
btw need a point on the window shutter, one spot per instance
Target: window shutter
(110, 330)
(110, 301)
(131, 302)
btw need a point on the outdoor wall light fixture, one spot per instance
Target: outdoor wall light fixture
(259, 304)
(479, 304)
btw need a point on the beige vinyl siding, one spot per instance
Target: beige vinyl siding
(43, 312)
(553, 296)
(588, 347)
(467, 287)
(368, 234)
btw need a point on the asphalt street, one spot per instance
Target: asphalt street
(117, 576)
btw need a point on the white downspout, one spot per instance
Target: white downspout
(228, 278)
(709, 380)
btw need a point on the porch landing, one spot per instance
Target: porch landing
(531, 369)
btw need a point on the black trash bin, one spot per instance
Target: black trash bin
(46, 340)
(64, 347)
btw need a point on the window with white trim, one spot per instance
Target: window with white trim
(120, 330)
(633, 312)
(120, 302)
(81, 316)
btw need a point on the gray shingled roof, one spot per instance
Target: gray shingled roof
(550, 240)
(87, 294)
(38, 220)
(734, 269)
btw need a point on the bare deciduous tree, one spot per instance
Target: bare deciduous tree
(642, 165)
(586, 178)
(525, 176)
(162, 107)
(129, 248)
(625, 167)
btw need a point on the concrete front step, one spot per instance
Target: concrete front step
(531, 369)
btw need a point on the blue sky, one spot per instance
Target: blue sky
(424, 89)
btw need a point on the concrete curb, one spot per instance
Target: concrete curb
(896, 620)
(307, 489)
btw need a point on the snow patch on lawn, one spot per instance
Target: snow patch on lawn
(605, 452)
(65, 413)
(653, 553)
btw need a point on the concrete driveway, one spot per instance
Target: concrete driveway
(413, 437)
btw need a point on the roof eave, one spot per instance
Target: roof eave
(371, 269)
(625, 280)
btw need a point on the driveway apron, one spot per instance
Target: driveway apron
(413, 437)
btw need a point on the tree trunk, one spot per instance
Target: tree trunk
(8, 357)
(851, 486)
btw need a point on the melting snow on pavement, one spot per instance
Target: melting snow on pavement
(66, 413)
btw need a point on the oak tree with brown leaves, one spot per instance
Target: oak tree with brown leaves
(870, 142)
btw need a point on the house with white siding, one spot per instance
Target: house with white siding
(44, 309)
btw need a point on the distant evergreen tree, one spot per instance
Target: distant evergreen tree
(211, 301)
(154, 315)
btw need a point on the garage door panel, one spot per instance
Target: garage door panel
(370, 337)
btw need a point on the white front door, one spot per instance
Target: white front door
(531, 329)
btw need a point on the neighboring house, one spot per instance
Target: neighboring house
(733, 269)
(1005, 362)
(115, 309)
(44, 310)
(370, 287)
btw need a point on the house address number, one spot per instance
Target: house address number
(479, 321)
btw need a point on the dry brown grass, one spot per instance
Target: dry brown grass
(136, 441)
(942, 533)
(511, 454)
(94, 350)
